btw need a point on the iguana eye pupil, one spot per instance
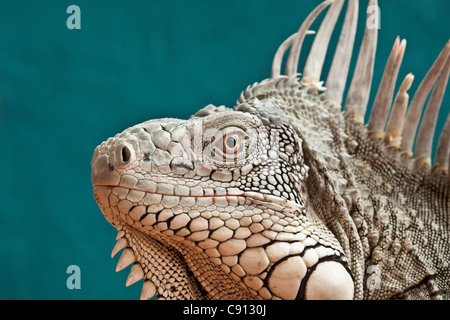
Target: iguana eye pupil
(231, 142)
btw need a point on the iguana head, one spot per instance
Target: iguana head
(228, 187)
(257, 201)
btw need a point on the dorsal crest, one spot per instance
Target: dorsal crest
(395, 118)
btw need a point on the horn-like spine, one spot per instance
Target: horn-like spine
(278, 58)
(359, 91)
(136, 274)
(294, 54)
(424, 142)
(316, 57)
(383, 99)
(125, 259)
(415, 109)
(442, 160)
(337, 75)
(395, 125)
(148, 290)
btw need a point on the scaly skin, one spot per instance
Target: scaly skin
(281, 197)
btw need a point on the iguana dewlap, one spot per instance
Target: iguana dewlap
(286, 196)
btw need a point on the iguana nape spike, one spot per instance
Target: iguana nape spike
(294, 54)
(395, 125)
(383, 99)
(415, 109)
(359, 91)
(424, 142)
(442, 162)
(337, 75)
(278, 59)
(316, 57)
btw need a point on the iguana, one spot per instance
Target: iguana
(286, 196)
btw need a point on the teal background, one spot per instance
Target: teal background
(62, 92)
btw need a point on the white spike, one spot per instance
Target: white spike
(442, 162)
(148, 290)
(120, 244)
(125, 259)
(294, 54)
(135, 275)
(427, 128)
(395, 125)
(383, 99)
(120, 234)
(415, 109)
(359, 91)
(337, 75)
(316, 57)
(278, 59)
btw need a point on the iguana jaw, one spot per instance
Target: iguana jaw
(279, 265)
(168, 263)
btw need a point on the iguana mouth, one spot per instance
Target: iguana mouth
(150, 210)
(232, 195)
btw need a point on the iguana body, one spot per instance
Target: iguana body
(284, 196)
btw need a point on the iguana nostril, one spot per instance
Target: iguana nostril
(123, 156)
(126, 154)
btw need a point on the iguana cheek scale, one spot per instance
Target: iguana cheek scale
(285, 196)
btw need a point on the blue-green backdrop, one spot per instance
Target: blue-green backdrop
(62, 92)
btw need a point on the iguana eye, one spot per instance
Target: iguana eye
(231, 143)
